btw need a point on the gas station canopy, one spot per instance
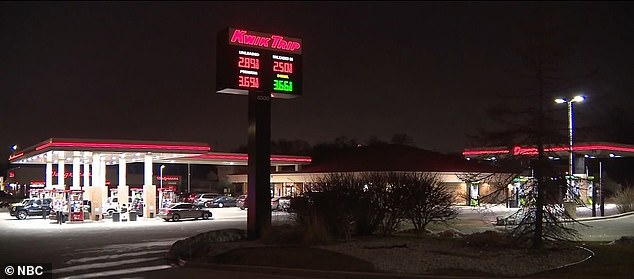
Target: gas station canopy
(135, 151)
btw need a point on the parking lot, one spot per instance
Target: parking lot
(35, 222)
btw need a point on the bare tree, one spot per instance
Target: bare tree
(525, 119)
(426, 199)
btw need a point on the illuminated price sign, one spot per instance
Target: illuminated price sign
(254, 61)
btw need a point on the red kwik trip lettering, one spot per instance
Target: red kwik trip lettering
(267, 41)
(280, 43)
(240, 36)
(294, 45)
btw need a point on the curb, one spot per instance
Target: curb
(605, 217)
(583, 219)
(315, 273)
(592, 254)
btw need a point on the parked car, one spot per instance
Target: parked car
(112, 205)
(224, 201)
(7, 198)
(281, 203)
(277, 203)
(31, 207)
(241, 202)
(188, 197)
(178, 211)
(206, 199)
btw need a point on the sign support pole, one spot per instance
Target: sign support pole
(259, 164)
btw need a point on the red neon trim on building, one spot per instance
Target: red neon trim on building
(484, 152)
(518, 150)
(16, 156)
(123, 146)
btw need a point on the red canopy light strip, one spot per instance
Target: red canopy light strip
(123, 146)
(293, 159)
(16, 156)
(603, 147)
(246, 157)
(223, 157)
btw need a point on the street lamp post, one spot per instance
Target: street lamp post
(161, 186)
(577, 98)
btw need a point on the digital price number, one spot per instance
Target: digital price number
(249, 63)
(257, 61)
(248, 82)
(282, 67)
(283, 85)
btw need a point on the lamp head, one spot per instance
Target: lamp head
(560, 100)
(578, 98)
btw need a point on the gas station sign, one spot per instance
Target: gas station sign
(261, 66)
(255, 61)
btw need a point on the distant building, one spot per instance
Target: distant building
(453, 170)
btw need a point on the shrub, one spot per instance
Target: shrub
(310, 224)
(624, 199)
(345, 204)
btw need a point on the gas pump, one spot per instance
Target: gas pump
(474, 194)
(137, 200)
(167, 196)
(35, 193)
(76, 205)
(137, 193)
(114, 192)
(60, 204)
(590, 192)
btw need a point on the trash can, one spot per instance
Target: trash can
(133, 215)
(116, 217)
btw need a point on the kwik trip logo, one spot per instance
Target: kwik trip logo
(24, 270)
(265, 41)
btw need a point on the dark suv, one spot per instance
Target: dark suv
(31, 207)
(206, 199)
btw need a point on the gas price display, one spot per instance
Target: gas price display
(255, 61)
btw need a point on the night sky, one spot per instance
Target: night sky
(146, 70)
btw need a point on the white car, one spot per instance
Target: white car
(112, 205)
